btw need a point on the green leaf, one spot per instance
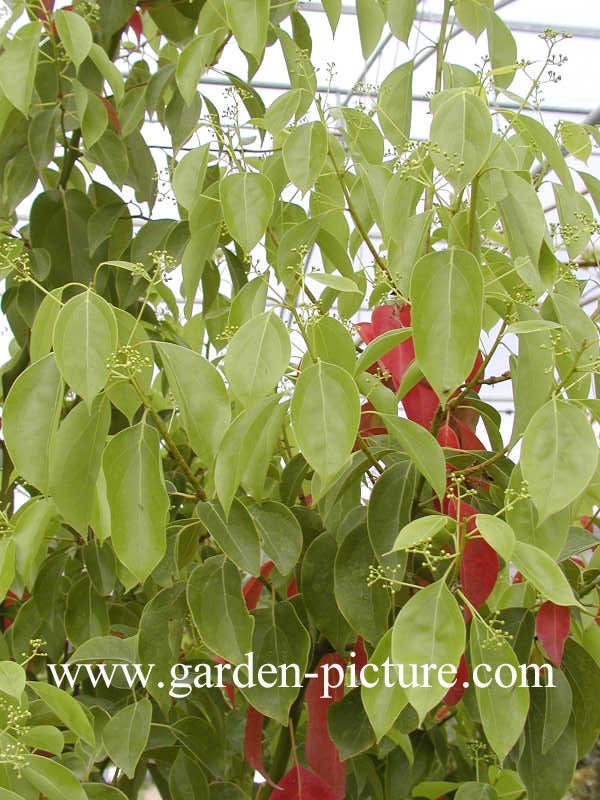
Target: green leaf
(446, 290)
(330, 341)
(92, 114)
(471, 790)
(422, 449)
(541, 571)
(394, 103)
(503, 711)
(18, 66)
(201, 397)
(108, 70)
(76, 459)
(7, 564)
(126, 734)
(472, 15)
(66, 708)
(187, 780)
(75, 34)
(558, 456)
(576, 219)
(523, 220)
(12, 679)
(189, 174)
(249, 20)
(558, 709)
(349, 726)
(86, 615)
(137, 498)
(583, 675)
(247, 199)
(337, 282)
(383, 703)
(333, 9)
(370, 24)
(103, 791)
(576, 140)
(497, 534)
(325, 411)
(546, 775)
(34, 523)
(257, 356)
(30, 419)
(419, 530)
(304, 154)
(365, 607)
(429, 629)
(247, 449)
(52, 779)
(279, 639)
(215, 600)
(236, 534)
(379, 347)
(461, 133)
(280, 534)
(317, 584)
(401, 16)
(44, 737)
(85, 336)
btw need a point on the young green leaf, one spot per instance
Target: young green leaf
(257, 357)
(75, 34)
(67, 709)
(558, 456)
(304, 154)
(325, 413)
(461, 132)
(201, 397)
(85, 336)
(429, 629)
(18, 66)
(247, 199)
(503, 710)
(422, 449)
(394, 104)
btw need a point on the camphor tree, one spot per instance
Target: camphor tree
(252, 471)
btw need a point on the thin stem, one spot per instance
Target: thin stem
(174, 450)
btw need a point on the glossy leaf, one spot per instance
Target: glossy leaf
(304, 154)
(422, 449)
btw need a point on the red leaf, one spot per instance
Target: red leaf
(447, 438)
(455, 693)
(45, 9)
(321, 753)
(552, 625)
(468, 440)
(451, 508)
(253, 588)
(229, 688)
(478, 570)
(253, 743)
(136, 25)
(300, 784)
(360, 655)
(370, 422)
(292, 589)
(112, 114)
